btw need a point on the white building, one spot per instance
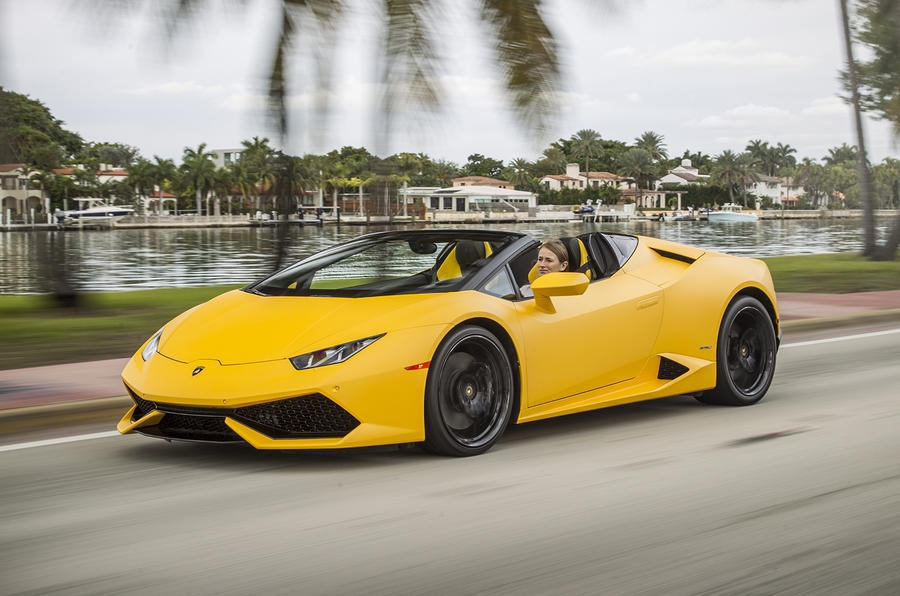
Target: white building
(573, 178)
(472, 198)
(225, 157)
(686, 173)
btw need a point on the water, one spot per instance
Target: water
(102, 260)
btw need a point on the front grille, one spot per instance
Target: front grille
(200, 428)
(299, 417)
(669, 369)
(309, 416)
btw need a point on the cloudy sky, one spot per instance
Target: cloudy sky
(707, 74)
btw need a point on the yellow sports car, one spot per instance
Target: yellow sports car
(444, 337)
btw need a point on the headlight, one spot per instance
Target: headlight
(151, 347)
(332, 355)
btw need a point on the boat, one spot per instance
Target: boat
(92, 211)
(666, 216)
(731, 212)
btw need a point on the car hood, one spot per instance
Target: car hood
(240, 328)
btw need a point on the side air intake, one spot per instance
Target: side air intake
(673, 255)
(669, 369)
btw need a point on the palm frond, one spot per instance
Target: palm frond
(528, 56)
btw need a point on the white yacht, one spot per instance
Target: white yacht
(731, 212)
(92, 211)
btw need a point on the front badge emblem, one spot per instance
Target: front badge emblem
(197, 371)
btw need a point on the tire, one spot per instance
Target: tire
(745, 355)
(469, 393)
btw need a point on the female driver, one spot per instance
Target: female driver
(552, 257)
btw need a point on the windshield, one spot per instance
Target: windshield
(382, 265)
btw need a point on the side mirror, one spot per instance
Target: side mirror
(557, 284)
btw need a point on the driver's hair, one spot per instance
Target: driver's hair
(557, 247)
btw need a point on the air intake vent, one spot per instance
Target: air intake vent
(669, 369)
(673, 255)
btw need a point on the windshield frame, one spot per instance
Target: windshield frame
(512, 242)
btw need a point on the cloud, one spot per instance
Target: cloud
(825, 106)
(745, 116)
(746, 53)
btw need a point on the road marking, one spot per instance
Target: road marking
(59, 441)
(842, 338)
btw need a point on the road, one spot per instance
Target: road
(799, 494)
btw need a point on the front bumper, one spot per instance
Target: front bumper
(271, 405)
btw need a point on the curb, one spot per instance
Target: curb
(871, 316)
(89, 411)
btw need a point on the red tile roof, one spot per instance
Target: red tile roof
(608, 175)
(9, 167)
(480, 179)
(560, 177)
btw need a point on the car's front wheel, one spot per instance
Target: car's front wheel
(469, 394)
(745, 355)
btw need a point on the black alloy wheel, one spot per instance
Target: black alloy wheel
(469, 394)
(745, 355)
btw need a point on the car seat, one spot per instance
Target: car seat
(461, 258)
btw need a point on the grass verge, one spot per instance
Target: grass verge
(840, 273)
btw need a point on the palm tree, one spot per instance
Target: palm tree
(638, 164)
(862, 163)
(731, 169)
(784, 155)
(653, 144)
(223, 185)
(520, 172)
(198, 172)
(587, 141)
(841, 155)
(243, 182)
(164, 170)
(555, 160)
(140, 177)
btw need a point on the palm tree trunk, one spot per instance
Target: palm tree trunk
(862, 164)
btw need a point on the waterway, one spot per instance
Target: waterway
(105, 260)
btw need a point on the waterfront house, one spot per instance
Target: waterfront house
(18, 195)
(686, 173)
(472, 198)
(574, 178)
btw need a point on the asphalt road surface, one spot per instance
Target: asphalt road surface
(799, 494)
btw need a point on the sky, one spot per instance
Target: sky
(707, 75)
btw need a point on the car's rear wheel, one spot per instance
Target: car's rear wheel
(469, 394)
(745, 355)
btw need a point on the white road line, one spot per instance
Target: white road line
(59, 441)
(842, 338)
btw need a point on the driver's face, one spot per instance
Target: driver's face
(547, 262)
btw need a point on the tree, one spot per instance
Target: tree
(164, 171)
(479, 165)
(519, 173)
(638, 164)
(140, 177)
(731, 170)
(653, 144)
(198, 173)
(30, 133)
(841, 155)
(587, 142)
(862, 164)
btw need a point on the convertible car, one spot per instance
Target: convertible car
(445, 337)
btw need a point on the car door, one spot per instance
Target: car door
(594, 340)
